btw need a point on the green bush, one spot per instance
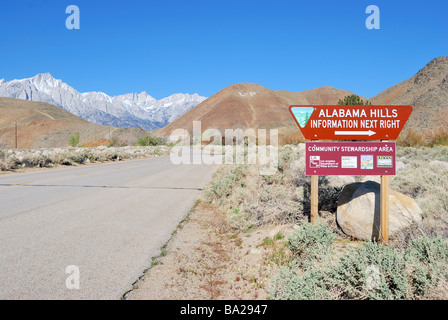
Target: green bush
(372, 271)
(352, 100)
(311, 244)
(150, 141)
(83, 156)
(428, 188)
(37, 161)
(428, 262)
(290, 284)
(74, 140)
(223, 182)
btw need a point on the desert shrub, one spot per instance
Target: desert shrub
(48, 158)
(410, 138)
(429, 188)
(429, 139)
(286, 155)
(411, 154)
(428, 263)
(113, 143)
(223, 181)
(437, 138)
(238, 219)
(82, 156)
(37, 161)
(371, 271)
(311, 244)
(150, 140)
(307, 276)
(74, 140)
(353, 100)
(290, 284)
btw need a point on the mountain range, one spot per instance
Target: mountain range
(241, 105)
(127, 110)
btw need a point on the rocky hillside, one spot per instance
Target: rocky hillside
(427, 92)
(42, 125)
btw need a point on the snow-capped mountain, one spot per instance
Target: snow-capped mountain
(128, 110)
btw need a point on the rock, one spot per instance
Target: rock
(339, 181)
(372, 178)
(358, 212)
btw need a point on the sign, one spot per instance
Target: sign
(350, 122)
(350, 158)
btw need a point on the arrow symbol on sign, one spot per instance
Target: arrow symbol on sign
(355, 133)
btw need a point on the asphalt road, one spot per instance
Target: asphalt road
(108, 220)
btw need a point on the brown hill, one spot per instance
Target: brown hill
(249, 105)
(41, 125)
(427, 92)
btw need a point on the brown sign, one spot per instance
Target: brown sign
(351, 122)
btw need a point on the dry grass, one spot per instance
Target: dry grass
(425, 179)
(11, 160)
(437, 137)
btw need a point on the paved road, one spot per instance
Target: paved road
(108, 220)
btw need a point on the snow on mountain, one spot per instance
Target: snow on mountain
(127, 110)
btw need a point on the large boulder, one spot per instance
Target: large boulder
(358, 212)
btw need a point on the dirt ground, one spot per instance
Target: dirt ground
(205, 260)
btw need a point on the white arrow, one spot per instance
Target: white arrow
(355, 133)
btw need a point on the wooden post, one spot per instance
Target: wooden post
(384, 207)
(314, 199)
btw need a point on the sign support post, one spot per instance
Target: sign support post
(384, 207)
(384, 210)
(314, 199)
(314, 214)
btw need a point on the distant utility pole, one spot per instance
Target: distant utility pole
(16, 134)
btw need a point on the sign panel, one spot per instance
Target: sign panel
(350, 158)
(350, 122)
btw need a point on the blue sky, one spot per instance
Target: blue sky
(195, 46)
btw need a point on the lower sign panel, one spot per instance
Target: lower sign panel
(350, 158)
